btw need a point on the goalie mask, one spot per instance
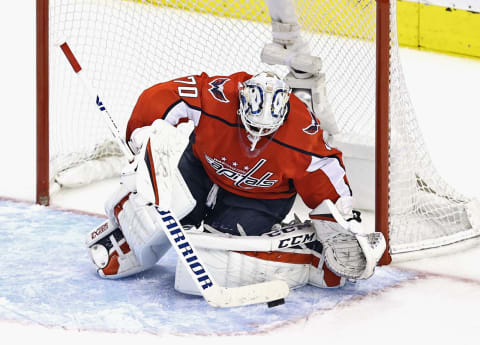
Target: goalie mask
(263, 105)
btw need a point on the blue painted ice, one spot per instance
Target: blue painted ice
(46, 277)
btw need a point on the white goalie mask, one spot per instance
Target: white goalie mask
(263, 105)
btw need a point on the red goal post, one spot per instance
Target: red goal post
(42, 141)
(382, 122)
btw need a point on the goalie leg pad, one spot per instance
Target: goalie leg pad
(110, 252)
(140, 223)
(131, 241)
(234, 269)
(290, 254)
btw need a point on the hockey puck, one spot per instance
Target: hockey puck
(275, 303)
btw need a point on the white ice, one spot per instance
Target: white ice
(438, 308)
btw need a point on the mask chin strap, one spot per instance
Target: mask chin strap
(254, 140)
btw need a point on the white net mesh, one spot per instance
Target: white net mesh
(127, 46)
(424, 210)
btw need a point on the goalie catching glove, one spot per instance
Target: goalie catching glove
(349, 251)
(132, 241)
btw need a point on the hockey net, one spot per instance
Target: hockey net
(126, 46)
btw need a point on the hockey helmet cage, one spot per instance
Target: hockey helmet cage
(263, 105)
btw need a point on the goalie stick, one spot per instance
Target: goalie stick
(271, 292)
(286, 237)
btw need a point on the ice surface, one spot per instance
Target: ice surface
(47, 279)
(439, 306)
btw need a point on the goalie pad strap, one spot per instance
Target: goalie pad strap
(138, 137)
(113, 265)
(321, 276)
(119, 207)
(288, 257)
(325, 217)
(330, 278)
(151, 170)
(296, 258)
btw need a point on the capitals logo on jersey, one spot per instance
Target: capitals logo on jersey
(217, 89)
(241, 178)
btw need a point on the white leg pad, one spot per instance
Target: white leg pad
(233, 269)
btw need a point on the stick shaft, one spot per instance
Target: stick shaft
(112, 126)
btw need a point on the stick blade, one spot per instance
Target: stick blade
(221, 297)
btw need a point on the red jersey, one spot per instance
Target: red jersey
(293, 159)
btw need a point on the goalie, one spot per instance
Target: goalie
(255, 146)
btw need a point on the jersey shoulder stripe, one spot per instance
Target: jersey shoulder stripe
(181, 110)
